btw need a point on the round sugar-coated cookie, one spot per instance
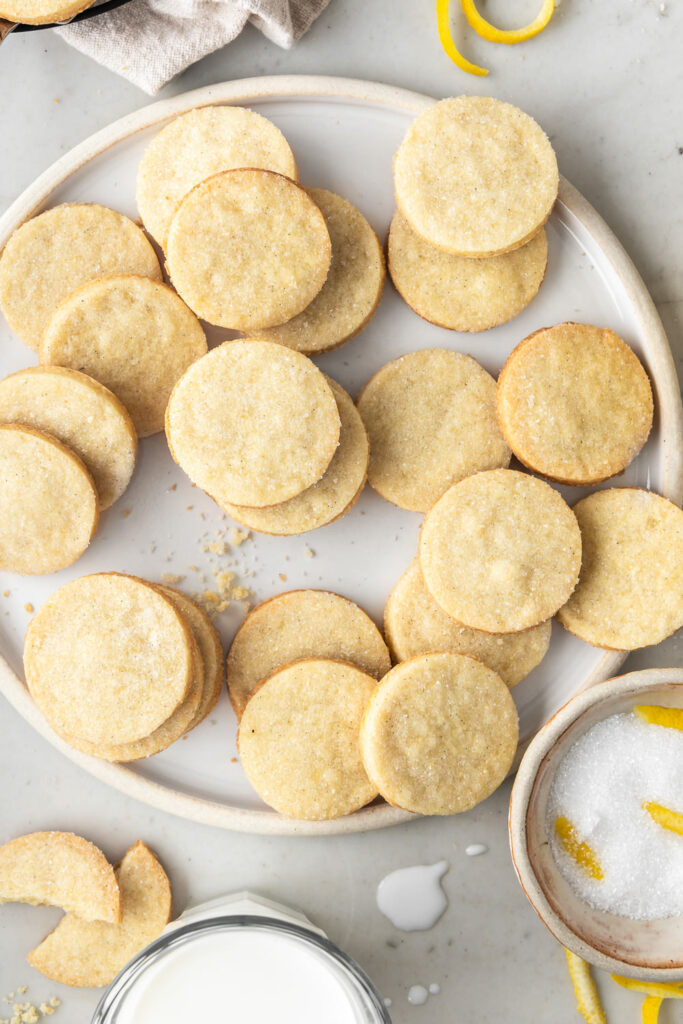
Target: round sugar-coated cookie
(351, 293)
(301, 624)
(59, 869)
(82, 414)
(108, 659)
(459, 293)
(49, 507)
(431, 420)
(210, 648)
(298, 739)
(248, 249)
(500, 551)
(574, 403)
(439, 734)
(475, 176)
(630, 591)
(253, 423)
(41, 12)
(197, 145)
(183, 719)
(54, 253)
(332, 496)
(132, 334)
(415, 624)
(88, 954)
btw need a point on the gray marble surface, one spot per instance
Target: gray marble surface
(607, 81)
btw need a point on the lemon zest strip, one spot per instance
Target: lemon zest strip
(451, 50)
(668, 819)
(658, 989)
(587, 998)
(671, 718)
(579, 851)
(650, 1009)
(489, 32)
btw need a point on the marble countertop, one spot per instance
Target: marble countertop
(605, 80)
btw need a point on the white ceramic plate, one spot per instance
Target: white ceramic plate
(344, 134)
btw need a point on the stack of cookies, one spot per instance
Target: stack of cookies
(300, 672)
(111, 913)
(276, 443)
(247, 247)
(122, 668)
(475, 180)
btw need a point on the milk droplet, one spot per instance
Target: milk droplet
(475, 849)
(434, 989)
(412, 898)
(417, 996)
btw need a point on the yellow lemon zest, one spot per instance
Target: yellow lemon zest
(672, 718)
(668, 819)
(579, 851)
(657, 989)
(510, 36)
(587, 998)
(650, 1009)
(451, 50)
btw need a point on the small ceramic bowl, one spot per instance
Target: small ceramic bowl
(647, 950)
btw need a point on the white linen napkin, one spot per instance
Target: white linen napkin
(150, 41)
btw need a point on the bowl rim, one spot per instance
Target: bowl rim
(542, 744)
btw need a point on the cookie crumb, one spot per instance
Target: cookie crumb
(309, 553)
(28, 607)
(238, 537)
(282, 577)
(171, 577)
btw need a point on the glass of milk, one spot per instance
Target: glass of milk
(241, 958)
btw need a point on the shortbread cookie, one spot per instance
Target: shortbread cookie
(248, 249)
(475, 176)
(49, 507)
(431, 420)
(41, 12)
(415, 624)
(59, 869)
(51, 255)
(574, 403)
(80, 413)
(298, 739)
(88, 954)
(133, 335)
(210, 648)
(108, 659)
(301, 624)
(253, 423)
(183, 719)
(630, 592)
(332, 496)
(353, 288)
(439, 734)
(197, 145)
(500, 551)
(459, 293)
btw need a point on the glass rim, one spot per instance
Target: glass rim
(181, 934)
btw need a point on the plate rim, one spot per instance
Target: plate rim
(326, 87)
